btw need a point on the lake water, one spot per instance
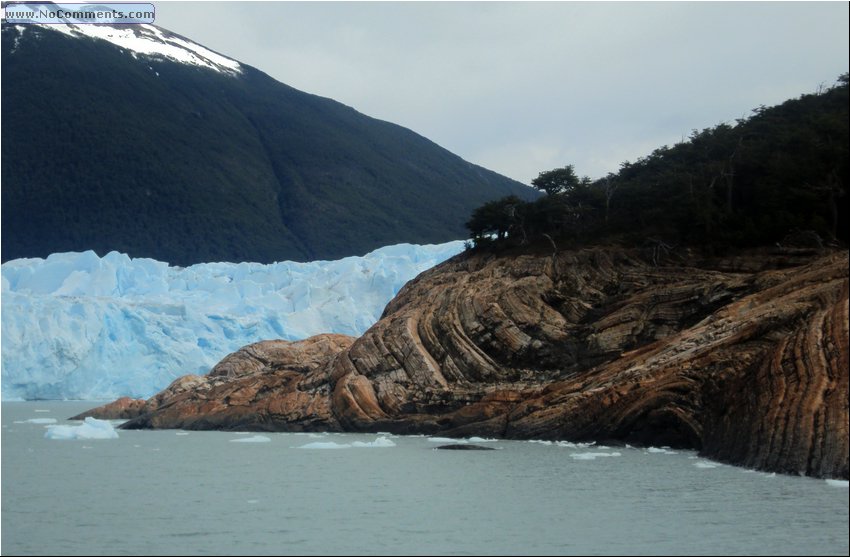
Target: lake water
(172, 492)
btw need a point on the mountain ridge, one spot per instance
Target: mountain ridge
(161, 159)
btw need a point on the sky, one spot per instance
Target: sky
(524, 87)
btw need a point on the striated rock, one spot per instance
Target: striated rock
(266, 386)
(744, 358)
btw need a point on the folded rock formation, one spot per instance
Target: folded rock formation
(743, 358)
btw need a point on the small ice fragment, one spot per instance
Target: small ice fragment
(380, 442)
(446, 440)
(42, 421)
(705, 464)
(837, 483)
(592, 456)
(182, 433)
(324, 445)
(254, 439)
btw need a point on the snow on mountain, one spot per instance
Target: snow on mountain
(148, 40)
(79, 326)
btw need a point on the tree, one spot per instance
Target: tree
(559, 180)
(495, 217)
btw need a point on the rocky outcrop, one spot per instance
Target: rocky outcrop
(745, 359)
(124, 408)
(265, 386)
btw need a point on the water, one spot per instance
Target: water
(168, 492)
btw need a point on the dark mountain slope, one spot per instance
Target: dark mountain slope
(105, 149)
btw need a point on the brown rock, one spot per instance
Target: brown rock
(125, 408)
(269, 385)
(744, 358)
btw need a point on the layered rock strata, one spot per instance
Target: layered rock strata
(745, 359)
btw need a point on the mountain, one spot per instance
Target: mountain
(134, 139)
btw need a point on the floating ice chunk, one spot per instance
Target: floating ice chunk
(705, 464)
(325, 445)
(42, 420)
(662, 450)
(481, 440)
(592, 456)
(92, 428)
(254, 439)
(838, 483)
(571, 445)
(447, 440)
(41, 410)
(380, 442)
(182, 433)
(37, 421)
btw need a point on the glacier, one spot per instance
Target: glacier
(80, 326)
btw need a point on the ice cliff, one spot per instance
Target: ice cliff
(79, 326)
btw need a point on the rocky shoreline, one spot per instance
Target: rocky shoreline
(742, 358)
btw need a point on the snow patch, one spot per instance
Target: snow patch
(153, 41)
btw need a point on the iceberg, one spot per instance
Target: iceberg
(91, 428)
(80, 326)
(379, 443)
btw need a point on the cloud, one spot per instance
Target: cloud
(515, 85)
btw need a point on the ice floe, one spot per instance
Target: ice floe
(91, 428)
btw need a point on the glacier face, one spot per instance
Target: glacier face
(79, 326)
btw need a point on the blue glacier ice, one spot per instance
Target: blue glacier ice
(80, 326)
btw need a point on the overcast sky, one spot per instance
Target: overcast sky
(524, 87)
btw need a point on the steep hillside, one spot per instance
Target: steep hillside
(112, 147)
(778, 176)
